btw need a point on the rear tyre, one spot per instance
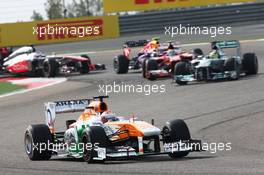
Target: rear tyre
(250, 63)
(50, 68)
(144, 68)
(181, 68)
(84, 66)
(37, 142)
(175, 131)
(93, 137)
(1, 62)
(84, 69)
(121, 64)
(88, 58)
(150, 65)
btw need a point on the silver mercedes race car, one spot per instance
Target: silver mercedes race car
(217, 64)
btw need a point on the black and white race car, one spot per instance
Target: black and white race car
(27, 61)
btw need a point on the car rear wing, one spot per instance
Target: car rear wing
(226, 44)
(59, 107)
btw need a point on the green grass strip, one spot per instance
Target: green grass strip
(6, 87)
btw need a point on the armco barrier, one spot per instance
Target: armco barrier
(156, 21)
(139, 5)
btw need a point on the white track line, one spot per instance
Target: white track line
(28, 90)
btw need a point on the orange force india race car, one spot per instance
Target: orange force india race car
(99, 134)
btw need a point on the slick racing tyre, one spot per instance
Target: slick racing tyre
(121, 64)
(1, 62)
(92, 138)
(250, 64)
(88, 58)
(50, 68)
(37, 142)
(144, 68)
(175, 131)
(150, 65)
(84, 67)
(181, 68)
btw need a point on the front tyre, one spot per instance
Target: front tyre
(150, 65)
(37, 142)
(49, 68)
(92, 138)
(121, 64)
(181, 68)
(175, 131)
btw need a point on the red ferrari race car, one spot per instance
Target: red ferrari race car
(158, 66)
(155, 59)
(26, 61)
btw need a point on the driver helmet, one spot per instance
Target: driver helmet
(214, 54)
(108, 116)
(215, 47)
(155, 43)
(33, 48)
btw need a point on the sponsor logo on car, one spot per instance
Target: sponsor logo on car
(72, 102)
